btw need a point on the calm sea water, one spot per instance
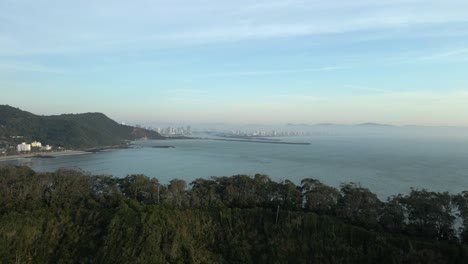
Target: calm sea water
(385, 165)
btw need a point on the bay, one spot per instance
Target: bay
(385, 165)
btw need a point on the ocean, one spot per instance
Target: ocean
(386, 165)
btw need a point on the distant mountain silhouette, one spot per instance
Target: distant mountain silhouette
(326, 124)
(374, 125)
(68, 130)
(291, 124)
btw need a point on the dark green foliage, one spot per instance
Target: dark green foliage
(430, 214)
(70, 131)
(71, 217)
(141, 188)
(290, 195)
(319, 197)
(461, 201)
(392, 215)
(358, 205)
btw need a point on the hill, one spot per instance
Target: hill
(68, 130)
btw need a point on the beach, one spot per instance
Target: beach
(45, 154)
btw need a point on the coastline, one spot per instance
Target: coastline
(63, 153)
(44, 154)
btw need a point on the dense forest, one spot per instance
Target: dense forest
(69, 130)
(69, 216)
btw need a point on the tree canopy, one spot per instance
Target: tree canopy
(70, 216)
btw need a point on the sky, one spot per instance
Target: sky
(400, 62)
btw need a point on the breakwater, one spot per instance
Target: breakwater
(261, 141)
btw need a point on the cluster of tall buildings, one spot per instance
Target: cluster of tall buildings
(174, 131)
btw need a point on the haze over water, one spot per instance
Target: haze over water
(387, 165)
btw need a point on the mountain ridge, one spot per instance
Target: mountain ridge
(79, 131)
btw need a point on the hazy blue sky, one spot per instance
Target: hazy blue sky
(272, 61)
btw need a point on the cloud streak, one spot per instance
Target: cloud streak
(29, 68)
(157, 24)
(313, 28)
(281, 72)
(455, 54)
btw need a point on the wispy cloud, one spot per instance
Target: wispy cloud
(268, 5)
(158, 24)
(446, 54)
(369, 89)
(457, 54)
(283, 19)
(280, 72)
(29, 68)
(317, 27)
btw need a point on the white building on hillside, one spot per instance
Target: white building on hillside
(36, 144)
(23, 147)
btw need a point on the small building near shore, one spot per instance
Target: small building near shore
(46, 148)
(23, 147)
(36, 144)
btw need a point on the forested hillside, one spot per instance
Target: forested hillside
(71, 217)
(69, 130)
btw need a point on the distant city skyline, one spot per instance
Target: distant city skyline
(399, 62)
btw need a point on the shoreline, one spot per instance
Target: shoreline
(44, 154)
